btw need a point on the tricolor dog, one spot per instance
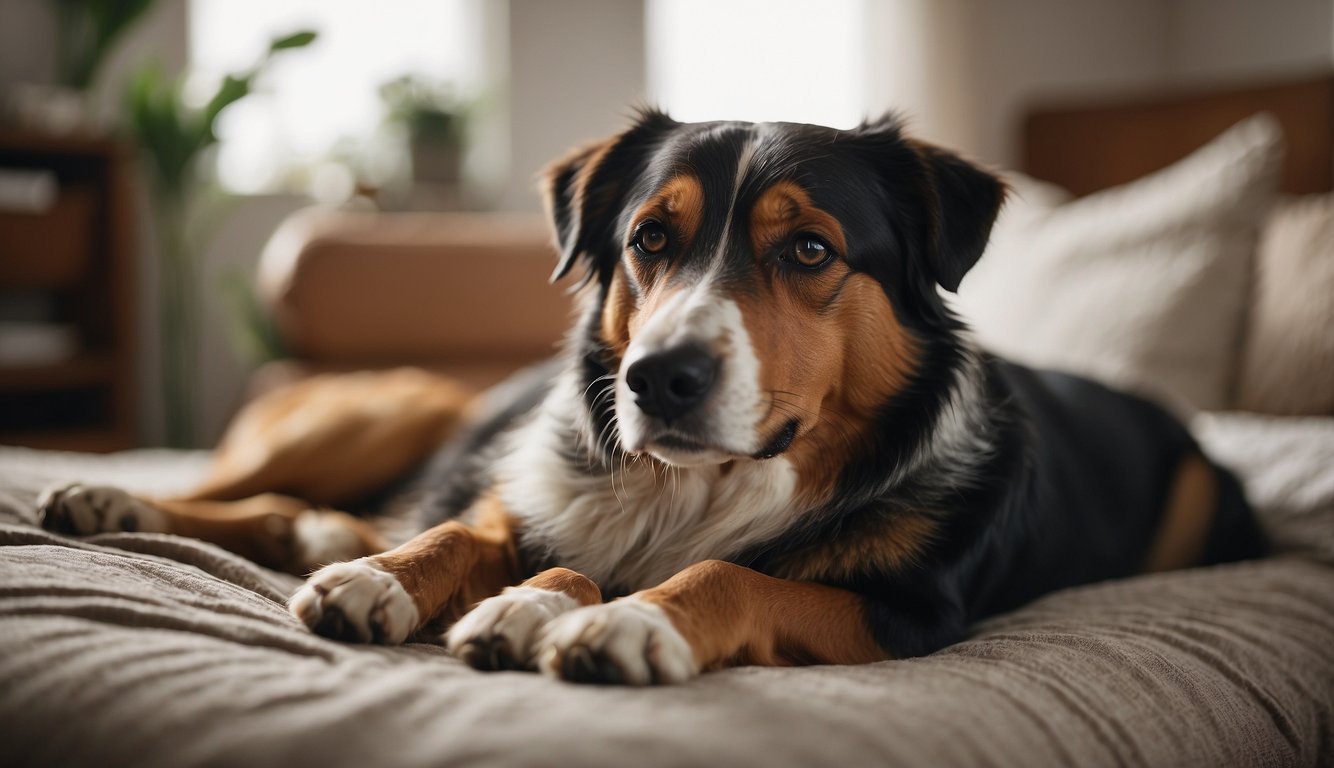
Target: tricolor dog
(767, 439)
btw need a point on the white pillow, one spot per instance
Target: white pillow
(1145, 285)
(1288, 360)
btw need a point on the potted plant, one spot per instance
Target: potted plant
(434, 121)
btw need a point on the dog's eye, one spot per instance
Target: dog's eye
(650, 239)
(810, 251)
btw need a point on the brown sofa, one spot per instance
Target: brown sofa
(463, 294)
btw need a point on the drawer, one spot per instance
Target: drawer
(49, 249)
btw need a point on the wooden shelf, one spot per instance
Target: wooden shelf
(86, 439)
(91, 145)
(88, 370)
(86, 403)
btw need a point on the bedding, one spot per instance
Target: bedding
(145, 649)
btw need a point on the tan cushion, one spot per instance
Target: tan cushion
(1143, 285)
(351, 289)
(1288, 361)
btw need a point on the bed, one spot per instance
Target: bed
(144, 649)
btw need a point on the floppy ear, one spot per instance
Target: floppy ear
(942, 205)
(967, 200)
(584, 190)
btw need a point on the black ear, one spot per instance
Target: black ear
(967, 200)
(584, 190)
(942, 206)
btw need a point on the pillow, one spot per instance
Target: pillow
(1145, 285)
(1288, 358)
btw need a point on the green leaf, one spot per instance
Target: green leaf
(295, 40)
(232, 90)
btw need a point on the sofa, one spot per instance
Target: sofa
(463, 294)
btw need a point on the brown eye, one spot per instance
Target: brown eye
(810, 251)
(650, 239)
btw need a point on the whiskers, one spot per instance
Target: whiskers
(602, 402)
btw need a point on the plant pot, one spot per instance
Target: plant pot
(437, 163)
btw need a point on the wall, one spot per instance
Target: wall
(969, 69)
(1228, 39)
(966, 69)
(25, 54)
(27, 33)
(576, 69)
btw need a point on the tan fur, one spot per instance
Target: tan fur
(616, 313)
(334, 439)
(852, 353)
(259, 528)
(326, 441)
(452, 567)
(679, 205)
(733, 615)
(568, 582)
(890, 547)
(785, 209)
(1187, 517)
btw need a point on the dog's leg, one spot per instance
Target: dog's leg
(710, 615)
(335, 439)
(280, 532)
(434, 578)
(501, 632)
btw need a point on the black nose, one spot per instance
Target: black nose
(668, 384)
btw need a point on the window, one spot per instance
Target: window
(792, 60)
(316, 100)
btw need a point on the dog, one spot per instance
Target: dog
(767, 440)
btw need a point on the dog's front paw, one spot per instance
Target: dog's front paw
(81, 510)
(501, 631)
(628, 642)
(356, 602)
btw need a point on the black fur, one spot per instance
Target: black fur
(1062, 480)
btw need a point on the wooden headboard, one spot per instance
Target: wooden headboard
(1088, 147)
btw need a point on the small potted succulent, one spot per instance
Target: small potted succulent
(434, 121)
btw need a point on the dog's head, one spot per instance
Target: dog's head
(756, 285)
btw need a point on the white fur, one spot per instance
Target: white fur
(369, 597)
(513, 617)
(636, 636)
(635, 524)
(734, 408)
(88, 509)
(742, 165)
(323, 537)
(961, 439)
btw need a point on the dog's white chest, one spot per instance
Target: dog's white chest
(635, 528)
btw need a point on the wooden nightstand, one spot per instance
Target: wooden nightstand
(74, 262)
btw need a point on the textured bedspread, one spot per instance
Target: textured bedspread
(139, 649)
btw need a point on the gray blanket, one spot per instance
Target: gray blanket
(141, 649)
